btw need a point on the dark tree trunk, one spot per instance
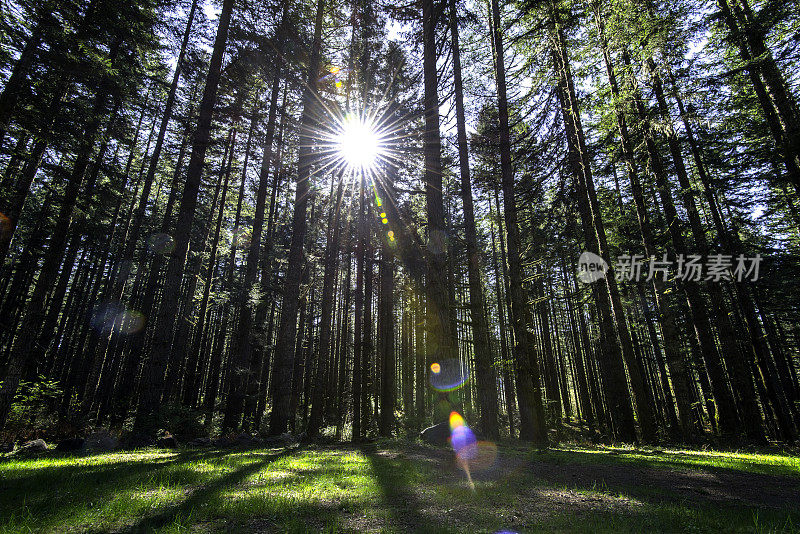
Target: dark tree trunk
(13, 88)
(529, 394)
(441, 338)
(331, 269)
(156, 364)
(26, 353)
(486, 381)
(284, 358)
(664, 312)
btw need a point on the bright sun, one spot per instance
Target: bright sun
(358, 143)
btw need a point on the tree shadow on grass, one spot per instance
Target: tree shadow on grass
(397, 477)
(45, 492)
(659, 481)
(204, 493)
(544, 492)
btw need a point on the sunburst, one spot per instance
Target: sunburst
(359, 143)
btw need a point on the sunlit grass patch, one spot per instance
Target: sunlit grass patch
(10, 465)
(771, 464)
(391, 487)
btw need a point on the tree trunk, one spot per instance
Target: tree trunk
(155, 365)
(25, 353)
(13, 88)
(486, 381)
(611, 365)
(529, 394)
(331, 269)
(284, 358)
(441, 338)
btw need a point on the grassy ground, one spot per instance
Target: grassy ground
(400, 487)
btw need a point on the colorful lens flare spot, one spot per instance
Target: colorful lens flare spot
(336, 74)
(464, 442)
(241, 237)
(161, 243)
(462, 438)
(114, 317)
(130, 322)
(436, 368)
(451, 375)
(456, 420)
(484, 457)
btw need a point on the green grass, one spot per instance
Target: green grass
(392, 487)
(768, 464)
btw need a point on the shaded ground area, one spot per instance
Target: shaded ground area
(399, 487)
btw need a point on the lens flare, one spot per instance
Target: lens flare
(484, 457)
(456, 420)
(451, 375)
(114, 317)
(464, 443)
(161, 243)
(336, 74)
(462, 438)
(241, 237)
(130, 322)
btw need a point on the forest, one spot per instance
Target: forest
(417, 251)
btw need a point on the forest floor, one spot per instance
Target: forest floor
(401, 487)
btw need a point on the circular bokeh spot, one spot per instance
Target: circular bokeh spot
(437, 242)
(104, 316)
(241, 237)
(484, 457)
(451, 375)
(161, 243)
(113, 316)
(130, 322)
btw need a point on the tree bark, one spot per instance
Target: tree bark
(155, 366)
(529, 394)
(284, 357)
(485, 371)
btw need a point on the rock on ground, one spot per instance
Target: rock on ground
(32, 447)
(436, 434)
